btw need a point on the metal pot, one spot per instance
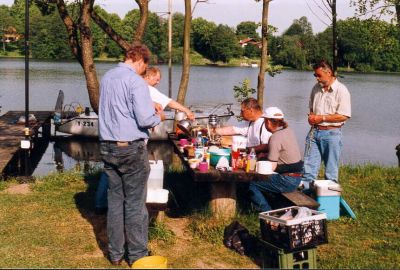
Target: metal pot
(185, 125)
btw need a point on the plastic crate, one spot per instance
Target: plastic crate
(274, 257)
(296, 233)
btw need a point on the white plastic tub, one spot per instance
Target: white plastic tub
(158, 195)
(156, 177)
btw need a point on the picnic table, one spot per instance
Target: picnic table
(223, 183)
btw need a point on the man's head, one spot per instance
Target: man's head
(274, 119)
(152, 76)
(138, 55)
(324, 74)
(250, 110)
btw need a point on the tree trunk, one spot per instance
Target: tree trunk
(264, 53)
(334, 37)
(144, 15)
(89, 67)
(186, 54)
(397, 7)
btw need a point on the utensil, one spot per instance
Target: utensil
(185, 125)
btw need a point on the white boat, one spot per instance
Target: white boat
(73, 119)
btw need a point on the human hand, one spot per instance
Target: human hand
(161, 114)
(190, 115)
(158, 107)
(314, 119)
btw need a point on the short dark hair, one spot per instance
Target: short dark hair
(251, 103)
(138, 51)
(324, 64)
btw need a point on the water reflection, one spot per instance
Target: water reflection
(66, 153)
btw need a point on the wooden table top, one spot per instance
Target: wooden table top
(214, 175)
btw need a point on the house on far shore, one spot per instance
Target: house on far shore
(244, 42)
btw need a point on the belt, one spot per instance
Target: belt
(123, 143)
(293, 174)
(326, 127)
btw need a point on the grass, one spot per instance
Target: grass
(54, 226)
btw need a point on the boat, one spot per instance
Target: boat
(76, 120)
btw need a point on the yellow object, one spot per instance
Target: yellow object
(151, 262)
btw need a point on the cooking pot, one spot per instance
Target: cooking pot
(185, 125)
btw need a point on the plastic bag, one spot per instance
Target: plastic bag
(238, 238)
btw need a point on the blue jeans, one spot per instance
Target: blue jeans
(127, 169)
(277, 183)
(325, 145)
(101, 192)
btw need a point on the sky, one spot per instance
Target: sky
(282, 13)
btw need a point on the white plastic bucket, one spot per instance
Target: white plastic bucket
(156, 177)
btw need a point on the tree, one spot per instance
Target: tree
(247, 29)
(186, 53)
(202, 31)
(264, 53)
(223, 44)
(365, 7)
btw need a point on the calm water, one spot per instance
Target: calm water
(369, 136)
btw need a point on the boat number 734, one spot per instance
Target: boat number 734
(86, 123)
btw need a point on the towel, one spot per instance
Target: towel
(223, 164)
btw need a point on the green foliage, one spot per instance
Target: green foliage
(247, 30)
(243, 91)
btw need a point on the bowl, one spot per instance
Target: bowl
(217, 154)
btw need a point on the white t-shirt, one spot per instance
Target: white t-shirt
(159, 97)
(252, 131)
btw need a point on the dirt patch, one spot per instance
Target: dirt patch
(18, 189)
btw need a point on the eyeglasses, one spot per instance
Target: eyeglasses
(317, 75)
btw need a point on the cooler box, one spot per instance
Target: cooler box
(328, 194)
(156, 177)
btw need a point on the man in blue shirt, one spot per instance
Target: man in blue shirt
(126, 112)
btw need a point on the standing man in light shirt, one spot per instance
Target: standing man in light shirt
(153, 77)
(330, 107)
(126, 112)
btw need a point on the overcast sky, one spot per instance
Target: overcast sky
(232, 12)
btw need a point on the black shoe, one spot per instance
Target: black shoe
(100, 210)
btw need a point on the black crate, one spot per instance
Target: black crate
(293, 235)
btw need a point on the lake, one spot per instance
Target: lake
(370, 136)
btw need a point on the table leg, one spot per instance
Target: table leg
(223, 199)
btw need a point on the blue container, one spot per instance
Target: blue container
(215, 156)
(330, 206)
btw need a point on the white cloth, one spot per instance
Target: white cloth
(252, 132)
(159, 97)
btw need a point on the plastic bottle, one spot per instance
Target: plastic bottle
(199, 140)
(252, 159)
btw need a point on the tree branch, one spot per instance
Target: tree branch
(72, 30)
(109, 31)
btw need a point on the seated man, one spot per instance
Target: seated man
(255, 131)
(284, 154)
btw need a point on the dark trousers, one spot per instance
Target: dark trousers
(127, 169)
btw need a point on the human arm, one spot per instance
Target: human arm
(177, 106)
(314, 119)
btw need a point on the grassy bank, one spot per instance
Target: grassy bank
(53, 224)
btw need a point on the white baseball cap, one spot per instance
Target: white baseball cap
(273, 113)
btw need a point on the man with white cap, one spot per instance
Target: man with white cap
(284, 154)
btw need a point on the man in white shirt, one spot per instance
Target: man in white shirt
(254, 128)
(153, 77)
